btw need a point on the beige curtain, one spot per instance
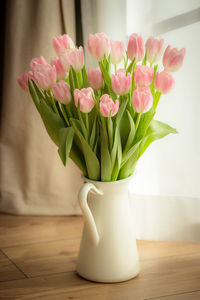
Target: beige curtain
(33, 179)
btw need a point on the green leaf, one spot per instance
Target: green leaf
(77, 157)
(117, 133)
(34, 95)
(110, 132)
(107, 79)
(106, 166)
(130, 67)
(118, 161)
(72, 80)
(124, 129)
(79, 80)
(121, 111)
(93, 134)
(131, 152)
(85, 77)
(38, 90)
(83, 128)
(131, 133)
(157, 130)
(92, 162)
(145, 120)
(129, 167)
(52, 122)
(75, 78)
(144, 62)
(66, 136)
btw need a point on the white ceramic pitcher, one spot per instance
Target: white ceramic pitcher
(108, 250)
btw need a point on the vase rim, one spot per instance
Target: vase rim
(108, 182)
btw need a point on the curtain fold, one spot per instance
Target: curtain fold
(33, 179)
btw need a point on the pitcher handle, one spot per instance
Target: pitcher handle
(89, 219)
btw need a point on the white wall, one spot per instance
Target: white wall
(171, 166)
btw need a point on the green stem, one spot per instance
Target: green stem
(152, 84)
(144, 62)
(84, 130)
(129, 69)
(137, 121)
(132, 79)
(53, 103)
(156, 100)
(69, 111)
(125, 61)
(79, 80)
(87, 124)
(110, 132)
(64, 114)
(115, 68)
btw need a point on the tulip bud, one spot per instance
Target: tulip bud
(117, 51)
(173, 59)
(45, 76)
(164, 82)
(62, 43)
(143, 75)
(121, 82)
(62, 92)
(142, 99)
(76, 58)
(135, 48)
(153, 49)
(99, 45)
(37, 61)
(84, 98)
(65, 61)
(23, 80)
(60, 71)
(107, 106)
(95, 78)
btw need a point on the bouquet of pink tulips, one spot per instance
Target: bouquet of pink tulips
(104, 122)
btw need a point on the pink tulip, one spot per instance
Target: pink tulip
(154, 49)
(173, 58)
(107, 106)
(142, 99)
(84, 98)
(164, 82)
(76, 58)
(23, 80)
(117, 51)
(95, 78)
(143, 75)
(65, 61)
(62, 43)
(37, 61)
(60, 71)
(62, 92)
(99, 45)
(121, 82)
(135, 48)
(45, 76)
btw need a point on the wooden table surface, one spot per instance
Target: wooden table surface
(38, 258)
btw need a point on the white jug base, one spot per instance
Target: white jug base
(114, 279)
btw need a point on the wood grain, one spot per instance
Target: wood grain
(60, 256)
(45, 258)
(8, 271)
(186, 296)
(22, 230)
(45, 250)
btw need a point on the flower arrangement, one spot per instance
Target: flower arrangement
(104, 122)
